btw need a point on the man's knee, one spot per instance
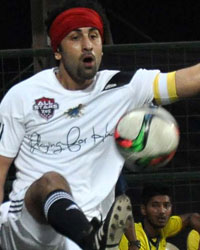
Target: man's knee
(40, 189)
(54, 180)
(47, 183)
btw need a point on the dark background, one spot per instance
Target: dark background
(132, 21)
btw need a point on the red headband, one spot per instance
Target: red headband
(73, 19)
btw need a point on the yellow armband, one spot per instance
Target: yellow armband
(164, 87)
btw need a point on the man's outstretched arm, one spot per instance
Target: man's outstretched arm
(188, 81)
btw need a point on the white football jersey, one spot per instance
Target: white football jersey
(46, 127)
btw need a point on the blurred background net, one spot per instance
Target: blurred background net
(182, 173)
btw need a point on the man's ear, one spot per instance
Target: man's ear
(57, 55)
(143, 210)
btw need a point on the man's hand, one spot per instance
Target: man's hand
(134, 245)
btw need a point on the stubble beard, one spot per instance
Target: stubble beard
(80, 74)
(86, 74)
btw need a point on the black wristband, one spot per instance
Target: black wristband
(134, 243)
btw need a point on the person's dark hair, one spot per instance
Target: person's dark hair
(91, 4)
(150, 191)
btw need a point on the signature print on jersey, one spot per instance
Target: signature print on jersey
(46, 107)
(73, 141)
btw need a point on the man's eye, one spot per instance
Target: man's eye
(167, 206)
(94, 36)
(155, 205)
(74, 37)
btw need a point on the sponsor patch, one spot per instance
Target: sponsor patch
(75, 112)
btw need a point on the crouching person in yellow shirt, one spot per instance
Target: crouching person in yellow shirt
(157, 224)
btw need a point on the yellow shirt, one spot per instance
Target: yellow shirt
(172, 227)
(193, 240)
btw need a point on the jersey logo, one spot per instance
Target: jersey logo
(1, 130)
(45, 107)
(120, 79)
(75, 112)
(110, 86)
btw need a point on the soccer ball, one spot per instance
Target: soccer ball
(147, 138)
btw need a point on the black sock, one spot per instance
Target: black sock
(65, 216)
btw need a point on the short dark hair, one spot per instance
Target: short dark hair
(151, 190)
(68, 4)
